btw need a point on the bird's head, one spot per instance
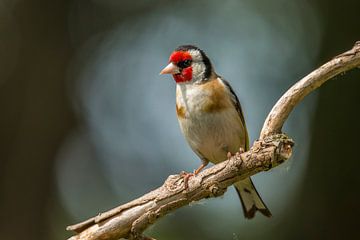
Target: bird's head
(188, 64)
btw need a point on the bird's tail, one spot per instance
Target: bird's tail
(250, 199)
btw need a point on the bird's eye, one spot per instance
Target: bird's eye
(184, 64)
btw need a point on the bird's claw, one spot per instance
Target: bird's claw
(241, 150)
(229, 155)
(186, 176)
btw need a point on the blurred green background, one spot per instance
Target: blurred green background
(86, 122)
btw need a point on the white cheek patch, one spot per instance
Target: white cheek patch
(195, 55)
(198, 67)
(198, 71)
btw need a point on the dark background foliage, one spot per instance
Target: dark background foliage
(46, 107)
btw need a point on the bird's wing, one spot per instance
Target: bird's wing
(237, 105)
(250, 198)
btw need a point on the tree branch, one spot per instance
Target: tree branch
(131, 219)
(280, 112)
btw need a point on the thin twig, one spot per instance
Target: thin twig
(131, 219)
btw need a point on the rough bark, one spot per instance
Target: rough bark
(131, 219)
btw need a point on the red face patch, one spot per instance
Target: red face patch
(186, 73)
(178, 56)
(184, 76)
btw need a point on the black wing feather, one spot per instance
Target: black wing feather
(237, 105)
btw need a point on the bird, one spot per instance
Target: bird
(211, 118)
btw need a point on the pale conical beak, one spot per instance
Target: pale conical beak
(170, 69)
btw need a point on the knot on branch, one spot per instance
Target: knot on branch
(216, 190)
(152, 216)
(283, 148)
(174, 183)
(280, 147)
(237, 159)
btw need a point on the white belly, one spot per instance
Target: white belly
(210, 135)
(213, 136)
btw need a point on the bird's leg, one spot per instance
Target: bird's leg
(186, 176)
(200, 168)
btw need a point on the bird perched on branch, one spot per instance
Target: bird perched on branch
(210, 117)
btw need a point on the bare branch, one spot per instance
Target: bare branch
(280, 112)
(131, 219)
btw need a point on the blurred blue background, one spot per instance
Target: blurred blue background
(87, 123)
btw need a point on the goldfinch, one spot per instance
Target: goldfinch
(210, 117)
